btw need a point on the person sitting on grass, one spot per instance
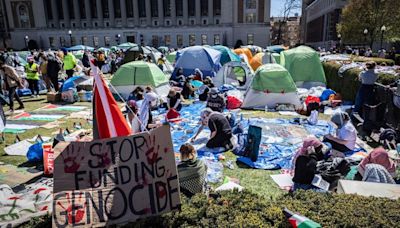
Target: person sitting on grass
(188, 89)
(376, 167)
(221, 131)
(305, 164)
(346, 134)
(205, 88)
(174, 100)
(215, 101)
(192, 171)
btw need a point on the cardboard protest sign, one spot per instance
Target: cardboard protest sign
(116, 180)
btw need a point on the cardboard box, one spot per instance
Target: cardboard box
(391, 191)
(53, 97)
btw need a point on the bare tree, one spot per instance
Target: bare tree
(288, 8)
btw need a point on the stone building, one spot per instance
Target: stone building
(173, 23)
(285, 31)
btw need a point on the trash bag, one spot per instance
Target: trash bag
(233, 102)
(172, 115)
(249, 144)
(35, 153)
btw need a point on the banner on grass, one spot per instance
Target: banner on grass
(116, 180)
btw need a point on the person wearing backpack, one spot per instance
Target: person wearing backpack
(12, 81)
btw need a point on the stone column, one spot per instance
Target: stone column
(197, 12)
(185, 12)
(77, 12)
(136, 12)
(160, 12)
(173, 12)
(55, 13)
(88, 13)
(99, 13)
(148, 13)
(123, 12)
(65, 12)
(111, 12)
(210, 12)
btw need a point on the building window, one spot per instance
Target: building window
(49, 10)
(192, 22)
(155, 23)
(217, 21)
(73, 41)
(71, 9)
(62, 25)
(204, 7)
(250, 18)
(192, 40)
(52, 42)
(168, 23)
(167, 39)
(179, 40)
(73, 25)
(203, 39)
(192, 8)
(251, 4)
(107, 41)
(52, 25)
(60, 10)
(204, 22)
(154, 8)
(129, 8)
(167, 8)
(84, 40)
(107, 24)
(131, 39)
(23, 16)
(142, 8)
(106, 11)
(117, 8)
(217, 40)
(179, 22)
(154, 41)
(250, 39)
(84, 24)
(179, 8)
(217, 7)
(95, 24)
(62, 41)
(93, 8)
(96, 41)
(82, 9)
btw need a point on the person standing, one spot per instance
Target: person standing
(365, 93)
(69, 63)
(32, 75)
(53, 68)
(43, 71)
(12, 81)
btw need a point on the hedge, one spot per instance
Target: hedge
(348, 85)
(246, 209)
(379, 61)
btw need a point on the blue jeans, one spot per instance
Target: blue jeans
(365, 95)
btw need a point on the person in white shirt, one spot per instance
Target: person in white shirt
(133, 117)
(346, 134)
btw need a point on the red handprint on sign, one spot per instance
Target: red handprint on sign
(72, 158)
(79, 211)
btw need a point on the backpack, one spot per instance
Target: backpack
(249, 144)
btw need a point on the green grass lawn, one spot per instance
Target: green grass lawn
(257, 181)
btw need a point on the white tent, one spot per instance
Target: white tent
(232, 72)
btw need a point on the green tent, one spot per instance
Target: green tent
(303, 64)
(227, 55)
(139, 73)
(277, 57)
(273, 78)
(171, 57)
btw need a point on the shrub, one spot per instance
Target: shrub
(348, 85)
(397, 59)
(378, 61)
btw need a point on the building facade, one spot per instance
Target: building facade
(319, 20)
(285, 31)
(104, 23)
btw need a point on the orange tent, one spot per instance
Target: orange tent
(244, 51)
(260, 59)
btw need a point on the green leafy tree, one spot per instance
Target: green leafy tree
(370, 15)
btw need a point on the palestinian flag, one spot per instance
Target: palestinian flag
(298, 221)
(108, 120)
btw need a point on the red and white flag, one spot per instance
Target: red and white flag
(108, 120)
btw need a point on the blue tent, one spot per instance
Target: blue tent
(80, 47)
(227, 55)
(275, 48)
(73, 82)
(207, 60)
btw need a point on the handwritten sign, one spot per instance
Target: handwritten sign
(117, 180)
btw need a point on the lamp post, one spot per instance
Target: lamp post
(383, 30)
(26, 38)
(365, 36)
(70, 37)
(118, 38)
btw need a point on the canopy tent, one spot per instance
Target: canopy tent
(127, 45)
(227, 54)
(171, 57)
(207, 60)
(237, 74)
(304, 65)
(260, 59)
(276, 48)
(271, 85)
(277, 57)
(244, 52)
(80, 47)
(163, 49)
(140, 73)
(114, 48)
